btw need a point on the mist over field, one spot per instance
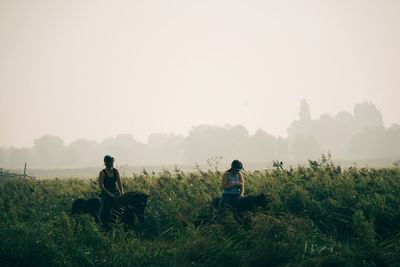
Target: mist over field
(185, 82)
(357, 137)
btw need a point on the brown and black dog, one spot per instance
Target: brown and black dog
(126, 207)
(246, 203)
(238, 206)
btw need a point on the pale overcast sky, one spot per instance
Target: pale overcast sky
(93, 69)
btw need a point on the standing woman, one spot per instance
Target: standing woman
(108, 180)
(232, 185)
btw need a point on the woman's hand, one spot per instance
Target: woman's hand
(235, 185)
(239, 184)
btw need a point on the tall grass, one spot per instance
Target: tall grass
(320, 215)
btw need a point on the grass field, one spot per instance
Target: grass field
(320, 215)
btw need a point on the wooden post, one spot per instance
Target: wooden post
(25, 170)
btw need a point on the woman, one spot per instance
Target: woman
(108, 180)
(232, 185)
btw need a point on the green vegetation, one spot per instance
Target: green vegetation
(320, 215)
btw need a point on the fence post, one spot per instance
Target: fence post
(25, 170)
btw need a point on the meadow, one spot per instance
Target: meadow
(319, 215)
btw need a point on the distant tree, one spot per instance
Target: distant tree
(366, 115)
(338, 136)
(391, 142)
(49, 151)
(165, 149)
(83, 153)
(261, 147)
(304, 113)
(304, 125)
(281, 150)
(376, 143)
(125, 149)
(206, 141)
(366, 145)
(304, 148)
(334, 133)
(326, 132)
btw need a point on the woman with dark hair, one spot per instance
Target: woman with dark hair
(232, 185)
(108, 180)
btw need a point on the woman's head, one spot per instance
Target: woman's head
(108, 161)
(236, 166)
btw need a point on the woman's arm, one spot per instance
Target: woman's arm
(242, 184)
(121, 188)
(101, 184)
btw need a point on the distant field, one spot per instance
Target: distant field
(321, 215)
(128, 170)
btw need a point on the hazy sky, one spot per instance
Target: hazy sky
(94, 69)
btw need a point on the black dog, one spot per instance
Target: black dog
(241, 205)
(89, 206)
(237, 206)
(246, 203)
(129, 205)
(126, 207)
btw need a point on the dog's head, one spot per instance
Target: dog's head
(78, 206)
(133, 202)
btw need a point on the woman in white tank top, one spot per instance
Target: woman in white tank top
(232, 185)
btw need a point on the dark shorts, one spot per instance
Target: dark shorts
(107, 204)
(226, 200)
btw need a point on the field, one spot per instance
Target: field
(320, 215)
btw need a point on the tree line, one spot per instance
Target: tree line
(360, 135)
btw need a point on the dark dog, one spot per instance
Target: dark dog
(89, 206)
(129, 205)
(237, 206)
(246, 203)
(126, 207)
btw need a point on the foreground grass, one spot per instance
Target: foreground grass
(319, 216)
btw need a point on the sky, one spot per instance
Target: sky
(93, 69)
